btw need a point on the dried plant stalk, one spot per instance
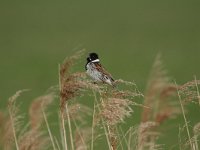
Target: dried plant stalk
(49, 130)
(196, 131)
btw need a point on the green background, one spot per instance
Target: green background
(35, 36)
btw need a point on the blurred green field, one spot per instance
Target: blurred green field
(35, 36)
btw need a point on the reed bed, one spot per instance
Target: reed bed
(100, 125)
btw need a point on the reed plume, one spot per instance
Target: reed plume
(115, 106)
(161, 101)
(33, 137)
(72, 85)
(37, 106)
(187, 93)
(160, 96)
(190, 91)
(112, 107)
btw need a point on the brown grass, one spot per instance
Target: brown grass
(114, 106)
(83, 127)
(28, 137)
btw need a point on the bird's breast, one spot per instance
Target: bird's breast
(93, 72)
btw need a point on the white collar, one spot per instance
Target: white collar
(96, 60)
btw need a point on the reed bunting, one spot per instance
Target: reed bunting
(95, 70)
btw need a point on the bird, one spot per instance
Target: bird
(96, 71)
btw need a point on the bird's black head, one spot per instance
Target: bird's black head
(93, 57)
(88, 60)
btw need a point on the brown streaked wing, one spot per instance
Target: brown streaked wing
(100, 68)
